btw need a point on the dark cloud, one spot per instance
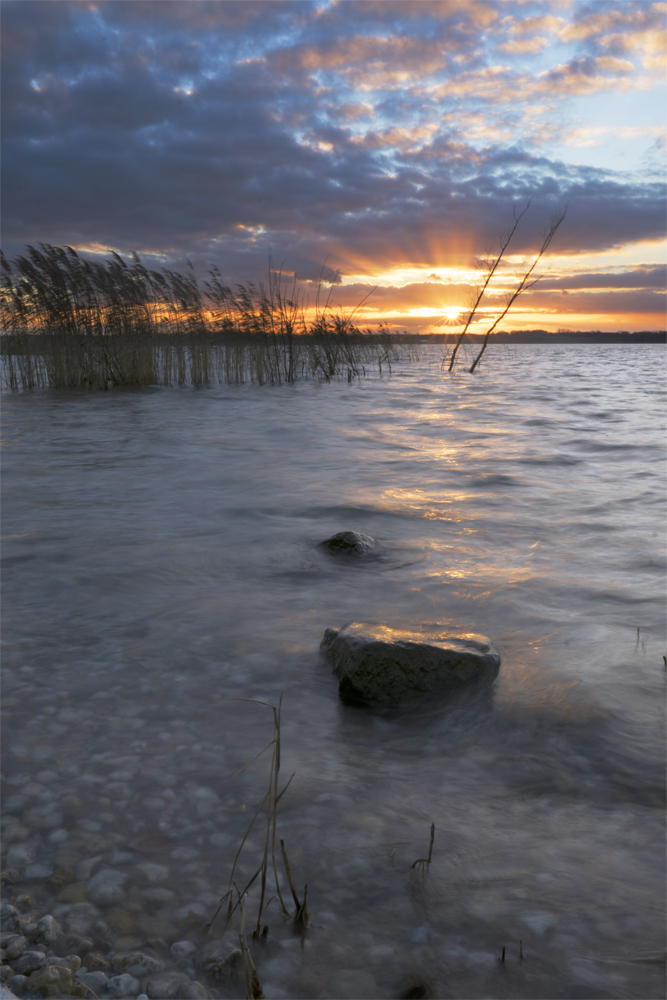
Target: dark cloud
(226, 130)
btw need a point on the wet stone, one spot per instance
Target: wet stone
(95, 961)
(15, 947)
(54, 980)
(95, 979)
(218, 959)
(73, 944)
(48, 929)
(182, 952)
(106, 887)
(193, 990)
(75, 893)
(165, 985)
(349, 543)
(137, 963)
(379, 665)
(124, 985)
(29, 961)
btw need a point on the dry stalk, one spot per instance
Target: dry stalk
(422, 864)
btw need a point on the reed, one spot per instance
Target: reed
(66, 322)
(268, 865)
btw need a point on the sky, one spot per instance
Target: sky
(382, 145)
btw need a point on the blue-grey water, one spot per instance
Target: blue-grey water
(160, 558)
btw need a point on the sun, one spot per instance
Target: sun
(452, 312)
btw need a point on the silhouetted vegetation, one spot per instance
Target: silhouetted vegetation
(71, 323)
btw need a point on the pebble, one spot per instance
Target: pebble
(219, 959)
(38, 870)
(165, 985)
(123, 985)
(95, 961)
(19, 856)
(192, 991)
(44, 817)
(154, 873)
(29, 961)
(107, 886)
(17, 984)
(16, 946)
(137, 963)
(48, 929)
(182, 952)
(96, 980)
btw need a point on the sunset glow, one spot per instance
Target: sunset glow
(382, 146)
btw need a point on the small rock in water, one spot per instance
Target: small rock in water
(107, 886)
(29, 962)
(138, 964)
(192, 991)
(165, 985)
(182, 952)
(379, 665)
(124, 985)
(17, 984)
(349, 543)
(96, 980)
(219, 959)
(15, 947)
(94, 961)
(48, 929)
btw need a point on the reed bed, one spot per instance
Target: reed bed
(66, 322)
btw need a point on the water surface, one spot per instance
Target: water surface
(161, 558)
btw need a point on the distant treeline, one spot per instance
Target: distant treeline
(544, 337)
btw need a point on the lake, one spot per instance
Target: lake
(161, 558)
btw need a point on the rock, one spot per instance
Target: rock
(11, 876)
(165, 985)
(74, 893)
(37, 870)
(29, 962)
(123, 921)
(107, 886)
(354, 985)
(60, 877)
(73, 944)
(192, 991)
(20, 856)
(6, 972)
(94, 961)
(79, 918)
(137, 963)
(154, 873)
(159, 896)
(349, 543)
(44, 817)
(378, 665)
(15, 947)
(219, 959)
(54, 980)
(182, 952)
(72, 962)
(96, 980)
(123, 986)
(17, 984)
(48, 929)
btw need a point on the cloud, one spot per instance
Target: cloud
(382, 134)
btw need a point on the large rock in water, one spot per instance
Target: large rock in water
(378, 665)
(349, 543)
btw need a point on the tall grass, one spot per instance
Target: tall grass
(66, 322)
